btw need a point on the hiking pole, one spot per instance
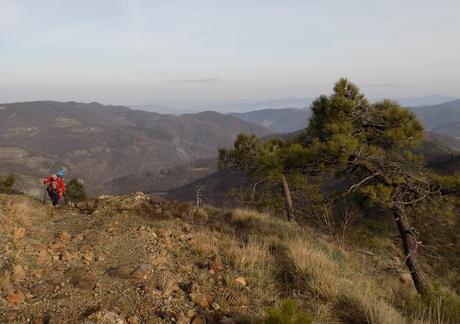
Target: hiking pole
(45, 194)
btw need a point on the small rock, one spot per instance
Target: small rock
(16, 298)
(57, 247)
(241, 281)
(132, 320)
(105, 317)
(200, 299)
(217, 265)
(215, 306)
(56, 258)
(65, 236)
(191, 313)
(18, 273)
(88, 256)
(141, 272)
(155, 320)
(19, 233)
(405, 278)
(165, 234)
(85, 281)
(42, 256)
(66, 256)
(180, 318)
(199, 320)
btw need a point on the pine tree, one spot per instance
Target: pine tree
(263, 161)
(371, 146)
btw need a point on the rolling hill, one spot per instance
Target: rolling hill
(284, 120)
(442, 118)
(100, 144)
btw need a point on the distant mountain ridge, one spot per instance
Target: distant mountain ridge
(242, 105)
(280, 120)
(425, 100)
(443, 118)
(115, 149)
(102, 143)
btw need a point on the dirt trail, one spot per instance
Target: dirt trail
(128, 260)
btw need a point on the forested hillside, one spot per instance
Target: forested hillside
(100, 144)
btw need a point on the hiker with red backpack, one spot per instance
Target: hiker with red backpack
(56, 187)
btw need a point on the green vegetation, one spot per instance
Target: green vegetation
(75, 191)
(7, 184)
(362, 156)
(274, 170)
(287, 313)
(263, 161)
(370, 145)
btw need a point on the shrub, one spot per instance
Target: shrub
(287, 313)
(75, 191)
(201, 214)
(7, 184)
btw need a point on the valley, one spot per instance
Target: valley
(117, 150)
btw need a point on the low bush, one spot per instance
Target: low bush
(287, 313)
(75, 191)
(7, 184)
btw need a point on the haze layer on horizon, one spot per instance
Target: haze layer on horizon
(141, 52)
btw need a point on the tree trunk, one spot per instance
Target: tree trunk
(287, 195)
(410, 249)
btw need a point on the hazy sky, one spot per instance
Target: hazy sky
(138, 52)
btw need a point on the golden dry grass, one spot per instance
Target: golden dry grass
(245, 216)
(277, 259)
(204, 243)
(166, 282)
(281, 260)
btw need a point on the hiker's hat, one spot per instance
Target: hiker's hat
(60, 173)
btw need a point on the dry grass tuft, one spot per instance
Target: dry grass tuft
(161, 262)
(355, 296)
(166, 282)
(245, 216)
(204, 243)
(252, 258)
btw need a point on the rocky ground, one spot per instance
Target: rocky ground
(122, 260)
(136, 259)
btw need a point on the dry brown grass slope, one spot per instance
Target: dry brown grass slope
(135, 259)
